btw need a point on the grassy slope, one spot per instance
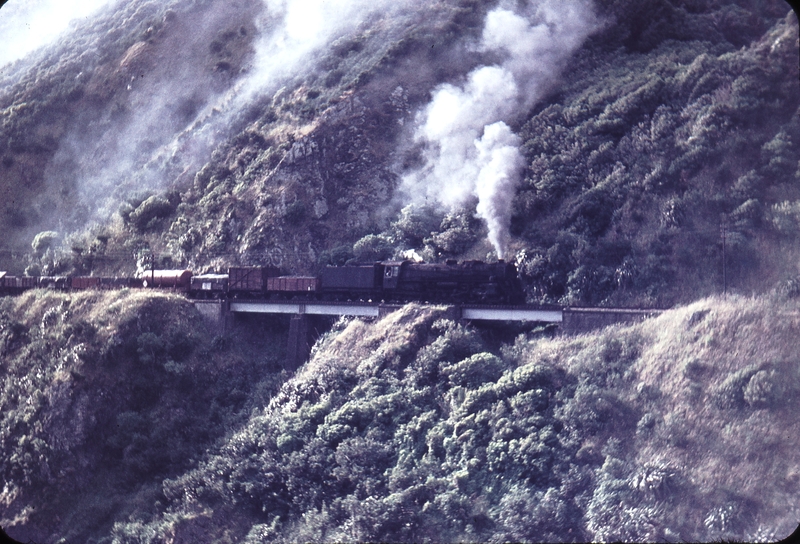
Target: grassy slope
(683, 427)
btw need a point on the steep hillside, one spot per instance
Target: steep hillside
(637, 173)
(605, 147)
(414, 428)
(620, 152)
(105, 395)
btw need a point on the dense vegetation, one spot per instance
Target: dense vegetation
(412, 428)
(105, 395)
(638, 172)
(670, 135)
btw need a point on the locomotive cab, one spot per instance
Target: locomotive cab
(391, 274)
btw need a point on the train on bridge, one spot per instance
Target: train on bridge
(390, 281)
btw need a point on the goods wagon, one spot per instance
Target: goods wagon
(120, 283)
(24, 282)
(250, 280)
(209, 285)
(13, 284)
(85, 282)
(6, 283)
(17, 284)
(293, 284)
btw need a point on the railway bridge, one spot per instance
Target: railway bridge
(302, 334)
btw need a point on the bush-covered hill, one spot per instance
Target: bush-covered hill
(415, 428)
(104, 395)
(645, 137)
(637, 173)
(669, 124)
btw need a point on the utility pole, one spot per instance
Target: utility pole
(724, 232)
(148, 260)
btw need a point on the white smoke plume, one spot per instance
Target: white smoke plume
(26, 25)
(501, 162)
(292, 37)
(295, 30)
(152, 143)
(470, 151)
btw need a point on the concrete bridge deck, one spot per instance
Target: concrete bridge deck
(374, 309)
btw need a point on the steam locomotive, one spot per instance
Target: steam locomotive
(390, 281)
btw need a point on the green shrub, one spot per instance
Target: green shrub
(764, 389)
(372, 248)
(457, 234)
(475, 370)
(414, 225)
(147, 214)
(730, 393)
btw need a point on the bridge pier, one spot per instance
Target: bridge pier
(299, 344)
(304, 330)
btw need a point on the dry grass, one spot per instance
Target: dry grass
(692, 372)
(748, 453)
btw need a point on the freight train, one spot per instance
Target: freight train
(391, 281)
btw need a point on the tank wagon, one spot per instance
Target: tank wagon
(177, 279)
(391, 281)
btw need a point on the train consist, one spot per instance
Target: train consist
(396, 281)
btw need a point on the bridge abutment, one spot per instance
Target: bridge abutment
(215, 313)
(583, 320)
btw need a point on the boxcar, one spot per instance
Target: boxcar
(251, 280)
(293, 284)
